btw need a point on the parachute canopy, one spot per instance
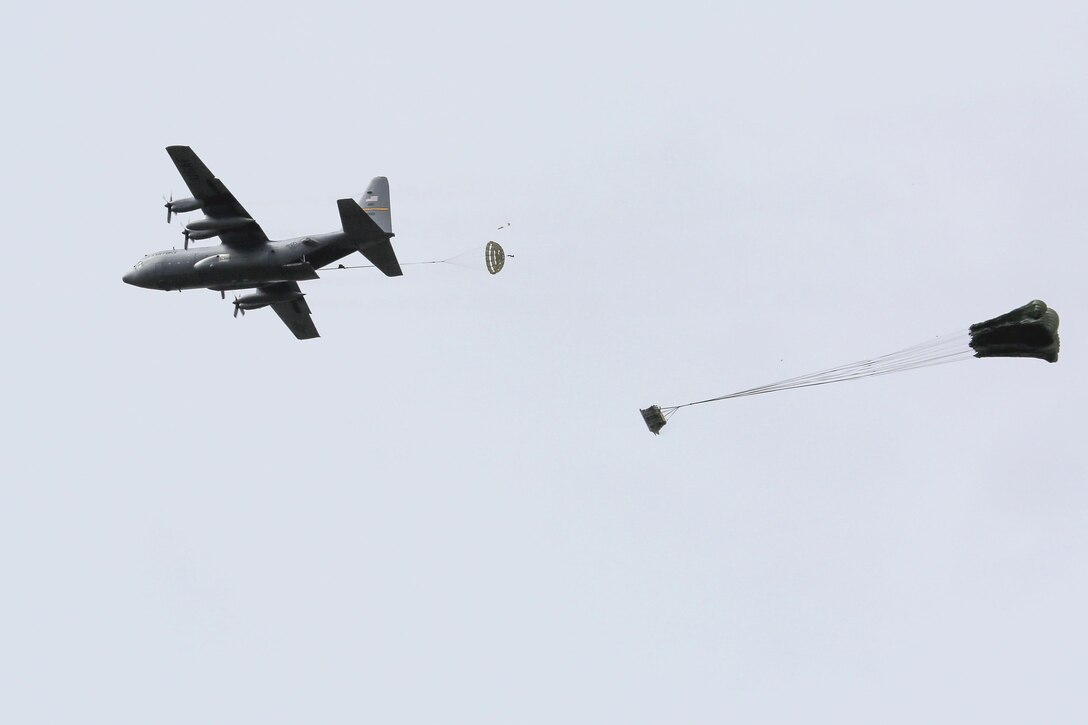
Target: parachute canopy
(1028, 331)
(494, 257)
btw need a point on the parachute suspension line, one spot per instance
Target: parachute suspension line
(467, 258)
(942, 350)
(851, 372)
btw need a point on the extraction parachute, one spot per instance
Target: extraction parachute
(1028, 331)
(494, 257)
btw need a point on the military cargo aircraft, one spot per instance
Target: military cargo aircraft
(246, 258)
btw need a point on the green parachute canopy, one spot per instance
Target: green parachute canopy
(1028, 331)
(494, 257)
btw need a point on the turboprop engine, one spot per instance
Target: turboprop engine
(207, 228)
(180, 207)
(193, 236)
(217, 225)
(264, 298)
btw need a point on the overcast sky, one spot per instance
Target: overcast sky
(448, 509)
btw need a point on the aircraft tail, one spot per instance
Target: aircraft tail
(375, 202)
(367, 224)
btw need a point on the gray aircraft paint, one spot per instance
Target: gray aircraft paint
(247, 258)
(226, 268)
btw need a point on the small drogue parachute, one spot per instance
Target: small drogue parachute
(494, 257)
(1028, 331)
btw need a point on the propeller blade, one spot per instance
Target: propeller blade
(169, 207)
(185, 233)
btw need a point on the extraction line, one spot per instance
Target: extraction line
(371, 266)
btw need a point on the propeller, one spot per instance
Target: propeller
(169, 206)
(238, 307)
(185, 233)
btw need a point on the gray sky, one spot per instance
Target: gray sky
(448, 508)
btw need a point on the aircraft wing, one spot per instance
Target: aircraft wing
(296, 313)
(216, 201)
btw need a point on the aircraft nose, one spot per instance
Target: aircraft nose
(129, 277)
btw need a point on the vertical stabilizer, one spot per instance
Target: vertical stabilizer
(375, 203)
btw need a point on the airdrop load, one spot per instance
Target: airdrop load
(1028, 331)
(655, 419)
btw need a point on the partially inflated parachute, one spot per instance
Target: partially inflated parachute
(494, 257)
(1028, 331)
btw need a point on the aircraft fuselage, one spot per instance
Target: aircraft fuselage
(221, 267)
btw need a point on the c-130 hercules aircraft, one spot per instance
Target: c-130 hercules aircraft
(246, 258)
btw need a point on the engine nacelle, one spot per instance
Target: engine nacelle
(263, 298)
(181, 206)
(217, 225)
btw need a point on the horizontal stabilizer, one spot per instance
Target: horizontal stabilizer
(382, 256)
(369, 238)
